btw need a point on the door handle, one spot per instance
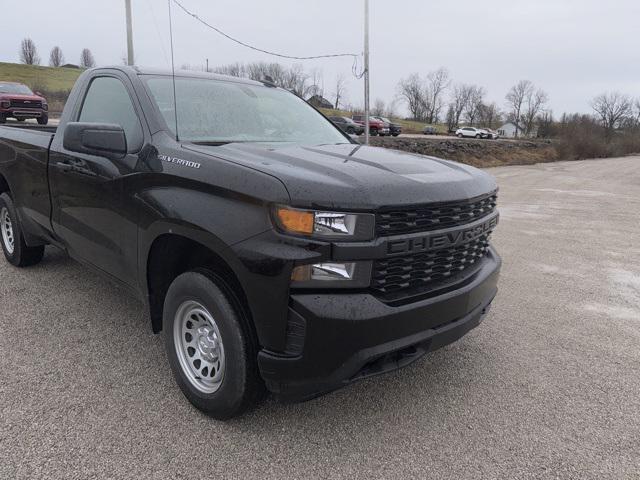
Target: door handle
(64, 167)
(70, 168)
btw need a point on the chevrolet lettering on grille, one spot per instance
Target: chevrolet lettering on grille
(441, 240)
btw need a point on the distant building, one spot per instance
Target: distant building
(319, 101)
(508, 130)
(70, 65)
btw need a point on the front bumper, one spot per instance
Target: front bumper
(22, 112)
(350, 336)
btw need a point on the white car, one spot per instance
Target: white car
(470, 132)
(491, 134)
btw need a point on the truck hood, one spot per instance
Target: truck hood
(16, 96)
(348, 176)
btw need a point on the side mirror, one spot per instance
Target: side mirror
(101, 139)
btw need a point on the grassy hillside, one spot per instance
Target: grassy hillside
(40, 78)
(53, 83)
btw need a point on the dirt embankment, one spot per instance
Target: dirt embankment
(479, 153)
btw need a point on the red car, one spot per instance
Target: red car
(18, 101)
(376, 127)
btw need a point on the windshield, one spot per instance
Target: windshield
(15, 88)
(217, 111)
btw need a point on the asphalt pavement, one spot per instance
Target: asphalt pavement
(547, 387)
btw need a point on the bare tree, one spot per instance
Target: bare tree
(611, 109)
(534, 106)
(459, 99)
(546, 124)
(340, 89)
(316, 83)
(233, 70)
(261, 70)
(378, 108)
(392, 107)
(636, 112)
(296, 80)
(86, 59)
(56, 58)
(29, 52)
(489, 115)
(436, 84)
(451, 118)
(475, 100)
(516, 98)
(410, 89)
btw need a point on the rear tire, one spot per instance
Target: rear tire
(15, 249)
(374, 132)
(3, 119)
(43, 120)
(210, 346)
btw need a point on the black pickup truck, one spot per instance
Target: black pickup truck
(273, 252)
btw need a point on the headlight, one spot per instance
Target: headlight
(332, 275)
(325, 225)
(45, 107)
(5, 104)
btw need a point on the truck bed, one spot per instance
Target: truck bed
(22, 138)
(31, 127)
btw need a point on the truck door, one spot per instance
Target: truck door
(91, 210)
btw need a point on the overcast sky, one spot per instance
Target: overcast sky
(574, 49)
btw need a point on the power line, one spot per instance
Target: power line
(291, 57)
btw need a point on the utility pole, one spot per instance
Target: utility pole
(366, 72)
(127, 5)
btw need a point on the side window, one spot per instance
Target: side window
(107, 101)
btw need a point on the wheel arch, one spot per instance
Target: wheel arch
(4, 185)
(178, 248)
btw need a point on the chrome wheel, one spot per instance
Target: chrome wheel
(199, 346)
(7, 231)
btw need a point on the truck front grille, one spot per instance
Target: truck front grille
(26, 104)
(408, 275)
(434, 217)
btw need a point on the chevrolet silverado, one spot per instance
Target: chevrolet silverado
(273, 252)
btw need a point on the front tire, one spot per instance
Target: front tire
(459, 135)
(15, 249)
(374, 132)
(478, 136)
(210, 348)
(43, 120)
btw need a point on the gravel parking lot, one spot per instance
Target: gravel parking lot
(547, 387)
